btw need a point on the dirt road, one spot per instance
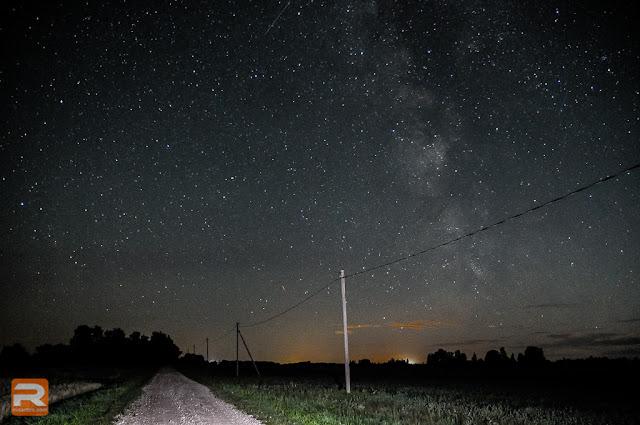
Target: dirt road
(172, 398)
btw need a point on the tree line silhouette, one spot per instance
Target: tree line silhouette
(532, 356)
(91, 346)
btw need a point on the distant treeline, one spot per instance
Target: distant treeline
(495, 363)
(571, 372)
(91, 346)
(532, 356)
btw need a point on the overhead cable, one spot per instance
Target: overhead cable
(466, 235)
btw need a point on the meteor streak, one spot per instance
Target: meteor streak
(275, 20)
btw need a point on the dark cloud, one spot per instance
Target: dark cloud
(618, 341)
(488, 342)
(557, 336)
(593, 340)
(550, 305)
(629, 321)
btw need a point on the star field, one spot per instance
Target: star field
(182, 166)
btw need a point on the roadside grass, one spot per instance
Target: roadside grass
(99, 407)
(279, 401)
(57, 392)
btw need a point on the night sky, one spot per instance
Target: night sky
(181, 166)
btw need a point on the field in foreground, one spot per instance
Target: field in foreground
(116, 391)
(299, 400)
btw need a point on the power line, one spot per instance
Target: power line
(292, 307)
(498, 223)
(224, 336)
(424, 251)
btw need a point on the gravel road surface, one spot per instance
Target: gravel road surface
(172, 398)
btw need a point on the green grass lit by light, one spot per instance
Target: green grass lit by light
(277, 402)
(97, 408)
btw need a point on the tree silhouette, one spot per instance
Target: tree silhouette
(459, 358)
(86, 336)
(503, 355)
(115, 347)
(440, 358)
(446, 358)
(163, 350)
(93, 346)
(533, 356)
(14, 356)
(492, 358)
(53, 355)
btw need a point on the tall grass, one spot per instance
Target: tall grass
(99, 407)
(57, 392)
(302, 401)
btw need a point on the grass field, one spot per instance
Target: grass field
(118, 389)
(320, 401)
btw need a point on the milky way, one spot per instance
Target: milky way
(184, 166)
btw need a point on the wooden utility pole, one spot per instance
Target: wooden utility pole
(347, 374)
(237, 348)
(238, 337)
(249, 353)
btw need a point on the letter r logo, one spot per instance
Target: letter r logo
(18, 398)
(29, 397)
